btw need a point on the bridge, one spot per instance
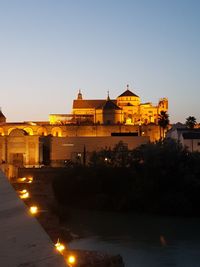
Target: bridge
(23, 241)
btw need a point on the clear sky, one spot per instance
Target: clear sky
(52, 48)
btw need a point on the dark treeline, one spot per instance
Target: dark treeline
(161, 178)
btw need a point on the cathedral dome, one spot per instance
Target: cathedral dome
(128, 98)
(128, 93)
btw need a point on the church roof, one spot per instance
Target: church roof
(2, 115)
(109, 104)
(96, 103)
(128, 93)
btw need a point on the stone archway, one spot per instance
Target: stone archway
(28, 130)
(16, 147)
(2, 132)
(17, 132)
(42, 131)
(56, 131)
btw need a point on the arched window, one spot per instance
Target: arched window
(1, 132)
(56, 131)
(28, 130)
(42, 131)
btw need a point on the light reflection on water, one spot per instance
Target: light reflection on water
(142, 240)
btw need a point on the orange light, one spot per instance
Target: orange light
(71, 259)
(33, 210)
(30, 180)
(24, 195)
(23, 191)
(59, 246)
(21, 180)
(25, 180)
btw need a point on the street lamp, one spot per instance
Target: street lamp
(33, 210)
(71, 260)
(59, 246)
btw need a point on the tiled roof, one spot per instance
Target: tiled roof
(110, 105)
(128, 93)
(97, 103)
(2, 115)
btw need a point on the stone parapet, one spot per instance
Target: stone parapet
(23, 242)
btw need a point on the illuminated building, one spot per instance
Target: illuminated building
(126, 109)
(92, 124)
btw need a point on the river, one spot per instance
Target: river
(142, 240)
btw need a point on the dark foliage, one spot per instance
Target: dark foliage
(163, 122)
(158, 177)
(191, 122)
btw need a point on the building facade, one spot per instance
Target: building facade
(188, 138)
(126, 109)
(91, 122)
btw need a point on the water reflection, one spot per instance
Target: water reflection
(142, 240)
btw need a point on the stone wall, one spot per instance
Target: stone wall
(72, 148)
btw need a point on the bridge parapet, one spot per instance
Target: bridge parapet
(23, 242)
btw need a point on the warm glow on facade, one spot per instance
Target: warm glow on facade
(28, 130)
(28, 180)
(21, 180)
(126, 109)
(35, 144)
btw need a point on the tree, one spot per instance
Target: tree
(163, 122)
(191, 122)
(119, 156)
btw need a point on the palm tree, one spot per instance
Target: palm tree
(191, 122)
(163, 122)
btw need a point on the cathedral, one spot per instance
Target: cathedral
(126, 109)
(92, 125)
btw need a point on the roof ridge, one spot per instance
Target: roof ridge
(128, 93)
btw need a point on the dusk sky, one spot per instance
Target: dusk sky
(52, 48)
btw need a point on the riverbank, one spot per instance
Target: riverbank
(142, 240)
(46, 175)
(53, 218)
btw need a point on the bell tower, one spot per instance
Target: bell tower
(79, 97)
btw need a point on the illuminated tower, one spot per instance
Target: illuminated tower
(79, 97)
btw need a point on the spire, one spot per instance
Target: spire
(108, 97)
(127, 87)
(2, 117)
(80, 97)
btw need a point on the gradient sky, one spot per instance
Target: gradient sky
(51, 48)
